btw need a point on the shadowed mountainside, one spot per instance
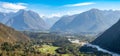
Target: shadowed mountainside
(110, 39)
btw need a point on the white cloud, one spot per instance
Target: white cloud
(11, 7)
(53, 15)
(56, 14)
(22, 4)
(79, 4)
(60, 14)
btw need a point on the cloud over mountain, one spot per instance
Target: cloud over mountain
(11, 7)
(79, 4)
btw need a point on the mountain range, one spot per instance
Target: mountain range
(24, 20)
(93, 20)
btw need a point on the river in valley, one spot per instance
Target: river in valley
(103, 50)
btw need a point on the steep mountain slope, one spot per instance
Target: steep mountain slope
(110, 39)
(8, 34)
(25, 20)
(93, 20)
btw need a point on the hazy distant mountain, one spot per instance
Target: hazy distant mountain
(8, 34)
(93, 20)
(2, 16)
(51, 21)
(110, 39)
(62, 23)
(25, 20)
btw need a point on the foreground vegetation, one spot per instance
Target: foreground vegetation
(28, 49)
(43, 44)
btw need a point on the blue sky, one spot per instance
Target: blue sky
(51, 8)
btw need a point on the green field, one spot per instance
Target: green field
(48, 49)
